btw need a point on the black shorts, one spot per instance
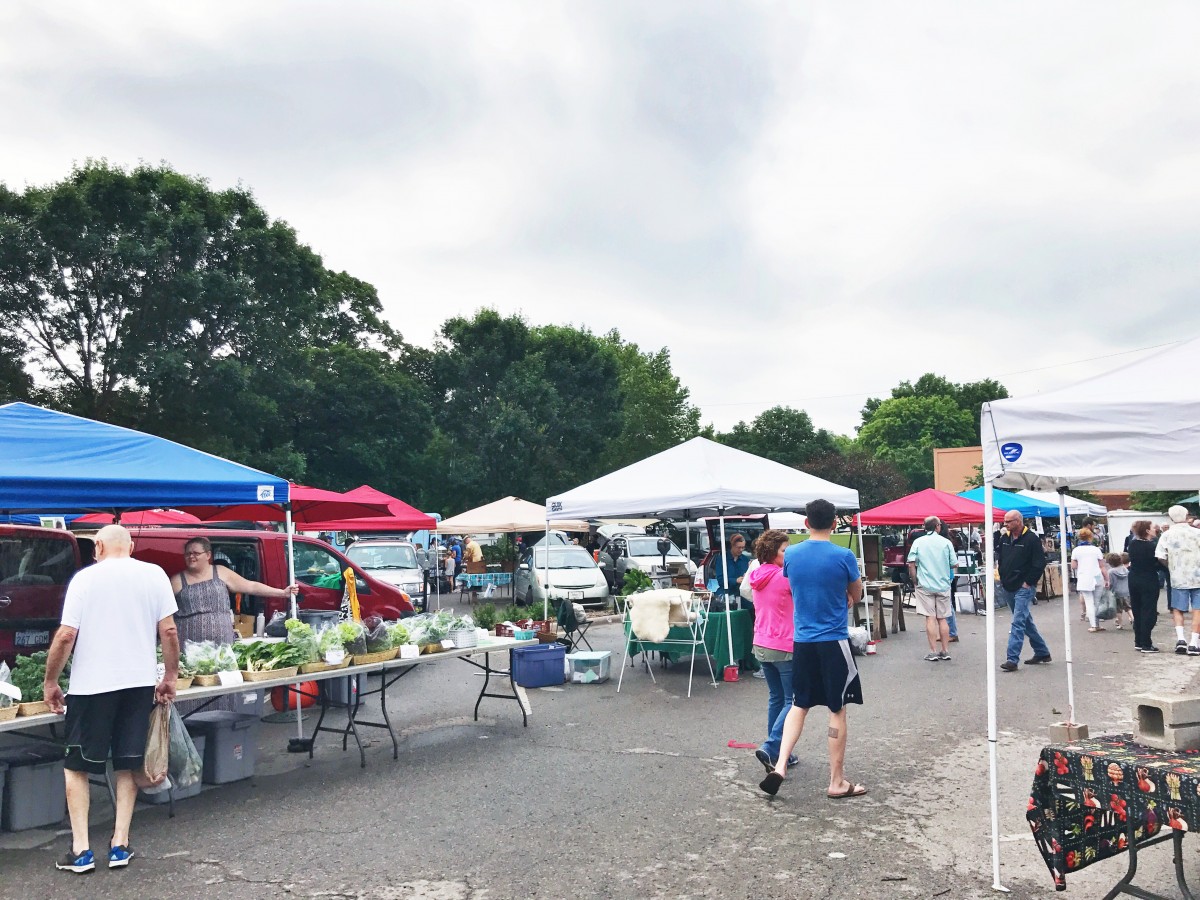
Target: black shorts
(110, 724)
(824, 674)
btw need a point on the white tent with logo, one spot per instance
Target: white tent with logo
(700, 478)
(1134, 428)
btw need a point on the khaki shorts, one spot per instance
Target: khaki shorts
(933, 603)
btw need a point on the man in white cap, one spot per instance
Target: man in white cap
(1179, 550)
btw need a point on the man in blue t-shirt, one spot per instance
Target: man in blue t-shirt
(825, 585)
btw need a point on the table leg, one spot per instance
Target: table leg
(488, 672)
(1125, 885)
(898, 610)
(1179, 876)
(351, 714)
(880, 629)
(383, 686)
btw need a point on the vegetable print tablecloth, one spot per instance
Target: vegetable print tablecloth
(1086, 794)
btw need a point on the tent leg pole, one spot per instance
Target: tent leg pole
(725, 580)
(291, 530)
(1066, 589)
(546, 577)
(862, 573)
(990, 627)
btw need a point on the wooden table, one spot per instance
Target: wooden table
(879, 626)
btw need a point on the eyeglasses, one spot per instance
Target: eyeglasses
(191, 553)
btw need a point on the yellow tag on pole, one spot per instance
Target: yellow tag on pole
(352, 592)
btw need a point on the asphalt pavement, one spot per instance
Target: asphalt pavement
(638, 794)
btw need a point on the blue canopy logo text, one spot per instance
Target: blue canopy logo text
(1011, 451)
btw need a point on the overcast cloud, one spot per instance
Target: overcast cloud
(805, 202)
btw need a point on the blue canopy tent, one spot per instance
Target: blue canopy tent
(52, 461)
(1028, 507)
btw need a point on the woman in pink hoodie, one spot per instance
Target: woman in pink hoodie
(774, 632)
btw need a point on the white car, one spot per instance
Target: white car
(573, 575)
(393, 561)
(640, 551)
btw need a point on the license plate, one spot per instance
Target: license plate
(31, 638)
(574, 595)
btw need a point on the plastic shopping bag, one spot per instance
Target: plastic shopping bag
(158, 743)
(1106, 604)
(183, 762)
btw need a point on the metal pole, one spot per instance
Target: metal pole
(1066, 589)
(990, 593)
(287, 517)
(725, 579)
(546, 578)
(862, 573)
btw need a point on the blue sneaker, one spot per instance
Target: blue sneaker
(76, 862)
(119, 856)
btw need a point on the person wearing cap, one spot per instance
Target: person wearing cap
(1179, 552)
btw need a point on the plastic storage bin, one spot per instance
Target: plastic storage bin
(539, 666)
(345, 690)
(319, 618)
(251, 703)
(231, 744)
(35, 793)
(589, 668)
(180, 793)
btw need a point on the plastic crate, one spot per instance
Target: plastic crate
(250, 703)
(35, 793)
(180, 793)
(344, 691)
(539, 666)
(231, 745)
(589, 668)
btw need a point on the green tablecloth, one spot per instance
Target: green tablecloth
(715, 640)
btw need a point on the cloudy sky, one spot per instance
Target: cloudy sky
(822, 198)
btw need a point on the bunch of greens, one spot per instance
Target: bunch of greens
(184, 671)
(635, 580)
(398, 632)
(460, 622)
(209, 657)
(301, 636)
(378, 636)
(268, 656)
(353, 637)
(485, 616)
(329, 639)
(29, 674)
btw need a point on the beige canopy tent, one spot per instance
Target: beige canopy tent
(507, 515)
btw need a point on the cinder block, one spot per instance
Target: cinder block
(1064, 733)
(1177, 709)
(1185, 737)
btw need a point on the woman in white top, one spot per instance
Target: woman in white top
(1091, 573)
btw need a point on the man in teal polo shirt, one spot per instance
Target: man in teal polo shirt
(931, 562)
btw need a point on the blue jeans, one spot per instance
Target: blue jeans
(1022, 623)
(779, 684)
(953, 622)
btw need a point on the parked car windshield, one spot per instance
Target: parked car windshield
(648, 546)
(564, 558)
(399, 556)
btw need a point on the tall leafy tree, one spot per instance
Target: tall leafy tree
(876, 480)
(905, 430)
(783, 434)
(969, 396)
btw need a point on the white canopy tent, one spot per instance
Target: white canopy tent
(700, 478)
(1129, 429)
(504, 516)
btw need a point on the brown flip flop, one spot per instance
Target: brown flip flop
(855, 790)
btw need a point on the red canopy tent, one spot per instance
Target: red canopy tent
(400, 517)
(143, 517)
(308, 505)
(912, 510)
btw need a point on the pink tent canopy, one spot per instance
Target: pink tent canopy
(401, 516)
(143, 517)
(912, 510)
(308, 505)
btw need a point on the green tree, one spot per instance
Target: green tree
(655, 412)
(969, 396)
(905, 430)
(783, 434)
(15, 381)
(876, 480)
(1155, 501)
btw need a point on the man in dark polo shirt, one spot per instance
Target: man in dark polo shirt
(1021, 561)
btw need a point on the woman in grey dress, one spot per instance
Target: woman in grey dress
(202, 593)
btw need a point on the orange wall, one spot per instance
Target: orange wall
(953, 467)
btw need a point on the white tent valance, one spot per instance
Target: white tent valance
(696, 478)
(1075, 506)
(1136, 428)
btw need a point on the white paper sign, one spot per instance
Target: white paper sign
(409, 651)
(10, 690)
(447, 645)
(228, 678)
(335, 655)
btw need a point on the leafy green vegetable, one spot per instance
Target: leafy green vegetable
(268, 656)
(398, 632)
(304, 639)
(29, 674)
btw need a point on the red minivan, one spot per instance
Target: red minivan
(262, 556)
(37, 563)
(35, 566)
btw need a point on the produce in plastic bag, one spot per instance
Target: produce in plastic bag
(6, 677)
(398, 632)
(304, 639)
(200, 657)
(226, 659)
(184, 764)
(378, 637)
(354, 637)
(277, 627)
